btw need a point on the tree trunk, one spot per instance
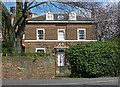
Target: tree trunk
(17, 44)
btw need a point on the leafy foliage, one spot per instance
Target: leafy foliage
(94, 59)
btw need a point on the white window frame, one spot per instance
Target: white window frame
(47, 14)
(43, 34)
(84, 34)
(58, 34)
(41, 49)
(70, 16)
(23, 36)
(0, 35)
(12, 21)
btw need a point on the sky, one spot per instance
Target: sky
(10, 3)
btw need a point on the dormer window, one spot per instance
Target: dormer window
(72, 16)
(60, 17)
(49, 16)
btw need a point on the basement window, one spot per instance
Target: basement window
(41, 50)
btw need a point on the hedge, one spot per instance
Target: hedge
(94, 59)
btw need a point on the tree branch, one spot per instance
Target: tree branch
(30, 4)
(56, 6)
(18, 21)
(37, 5)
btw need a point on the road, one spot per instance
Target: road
(84, 81)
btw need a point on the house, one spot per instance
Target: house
(54, 33)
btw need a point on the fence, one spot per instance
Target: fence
(21, 68)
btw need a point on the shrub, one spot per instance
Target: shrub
(94, 59)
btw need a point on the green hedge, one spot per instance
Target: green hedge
(94, 59)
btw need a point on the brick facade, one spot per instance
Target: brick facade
(52, 29)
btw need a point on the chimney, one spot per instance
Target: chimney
(12, 10)
(93, 13)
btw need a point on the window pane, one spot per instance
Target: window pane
(40, 50)
(81, 31)
(40, 37)
(40, 34)
(61, 35)
(40, 31)
(81, 36)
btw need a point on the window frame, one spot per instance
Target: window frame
(47, 14)
(41, 49)
(78, 34)
(58, 33)
(70, 18)
(1, 35)
(43, 34)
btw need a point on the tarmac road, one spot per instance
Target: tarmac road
(84, 81)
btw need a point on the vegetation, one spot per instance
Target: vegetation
(27, 54)
(6, 30)
(94, 59)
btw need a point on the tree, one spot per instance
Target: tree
(6, 29)
(107, 21)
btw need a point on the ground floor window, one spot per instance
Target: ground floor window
(42, 50)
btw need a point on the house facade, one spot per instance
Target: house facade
(54, 33)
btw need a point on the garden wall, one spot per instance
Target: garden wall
(21, 68)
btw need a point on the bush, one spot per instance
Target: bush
(94, 59)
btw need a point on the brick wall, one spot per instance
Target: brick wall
(49, 46)
(51, 31)
(42, 68)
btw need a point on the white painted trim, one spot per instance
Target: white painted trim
(48, 15)
(70, 15)
(43, 33)
(59, 40)
(23, 36)
(64, 33)
(78, 34)
(40, 49)
(0, 35)
(70, 21)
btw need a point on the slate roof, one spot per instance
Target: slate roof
(66, 18)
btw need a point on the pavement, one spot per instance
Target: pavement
(111, 81)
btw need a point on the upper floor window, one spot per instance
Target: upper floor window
(40, 34)
(61, 34)
(49, 16)
(72, 16)
(60, 17)
(81, 34)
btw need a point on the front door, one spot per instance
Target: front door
(61, 56)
